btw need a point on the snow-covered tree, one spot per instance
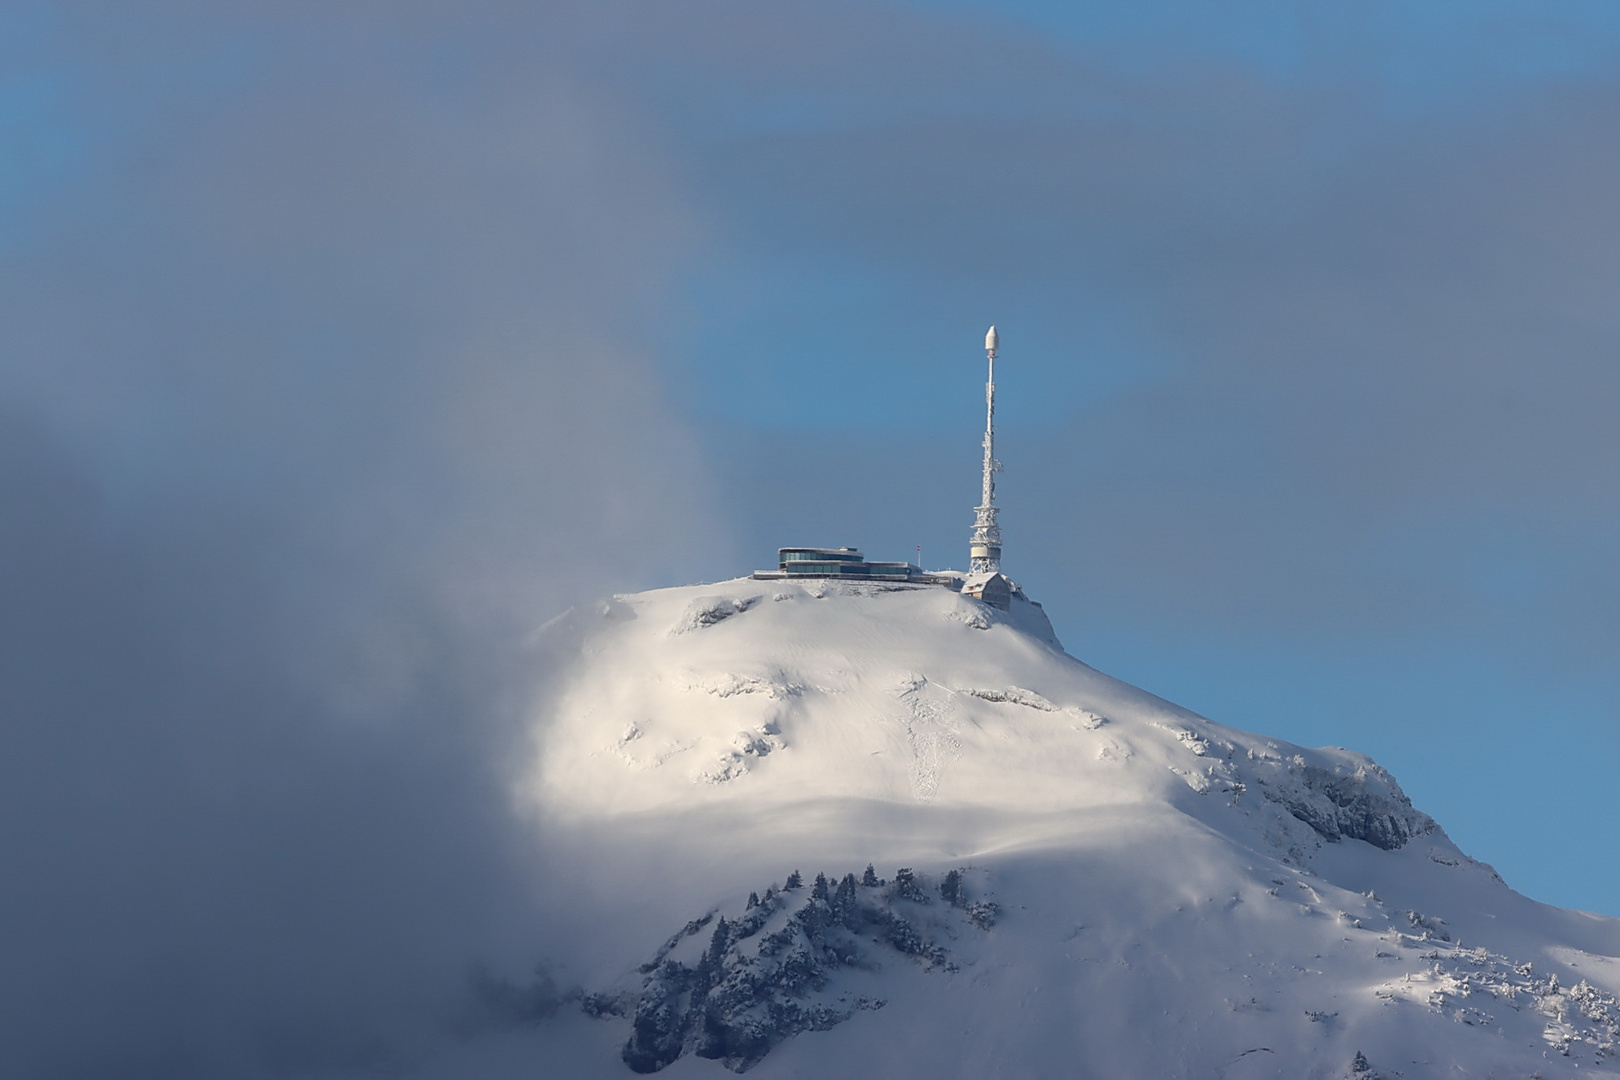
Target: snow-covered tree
(906, 886)
(845, 909)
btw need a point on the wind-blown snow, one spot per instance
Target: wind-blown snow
(1175, 898)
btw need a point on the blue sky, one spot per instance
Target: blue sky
(1305, 339)
(340, 345)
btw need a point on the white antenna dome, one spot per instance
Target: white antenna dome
(991, 341)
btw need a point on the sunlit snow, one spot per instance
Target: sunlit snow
(1172, 897)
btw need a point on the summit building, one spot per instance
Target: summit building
(983, 580)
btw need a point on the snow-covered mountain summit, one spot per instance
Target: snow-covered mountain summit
(1070, 877)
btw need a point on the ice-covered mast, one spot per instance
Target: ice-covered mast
(985, 551)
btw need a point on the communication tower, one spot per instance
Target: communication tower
(984, 553)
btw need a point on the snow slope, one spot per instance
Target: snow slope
(1141, 892)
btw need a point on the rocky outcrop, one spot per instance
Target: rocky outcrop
(1356, 801)
(773, 970)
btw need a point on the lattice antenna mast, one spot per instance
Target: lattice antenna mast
(985, 552)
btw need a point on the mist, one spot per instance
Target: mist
(325, 379)
(341, 347)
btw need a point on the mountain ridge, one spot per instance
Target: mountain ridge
(714, 738)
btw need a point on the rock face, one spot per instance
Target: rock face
(1177, 898)
(1363, 804)
(1344, 797)
(772, 970)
